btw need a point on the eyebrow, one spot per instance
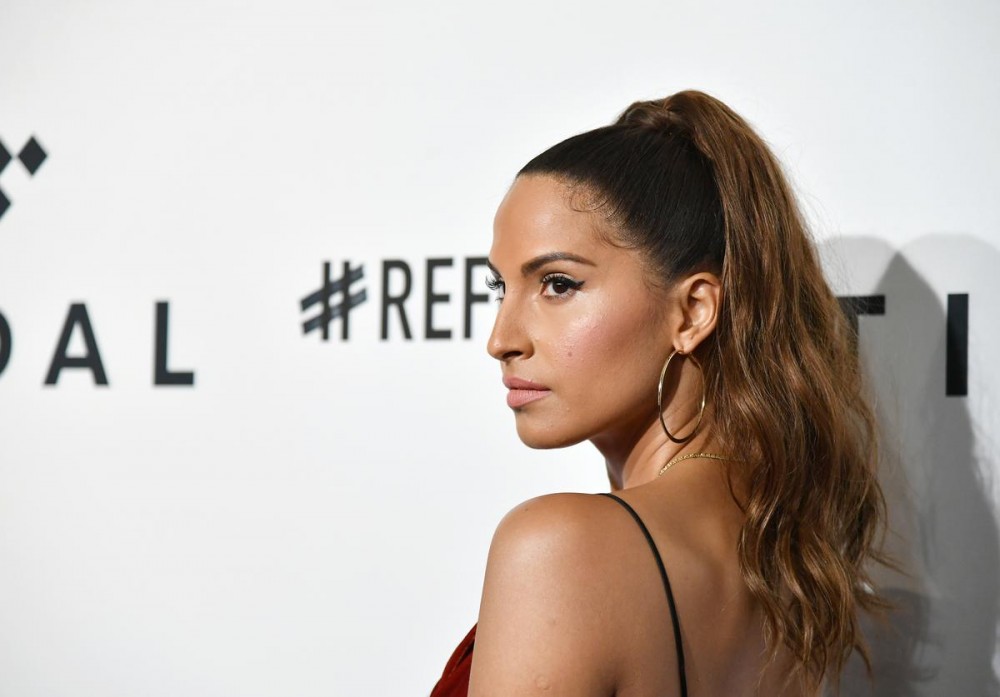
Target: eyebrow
(529, 267)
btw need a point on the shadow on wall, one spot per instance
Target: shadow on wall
(937, 469)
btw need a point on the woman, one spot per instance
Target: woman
(660, 297)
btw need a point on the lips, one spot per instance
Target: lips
(522, 392)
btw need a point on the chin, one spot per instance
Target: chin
(539, 437)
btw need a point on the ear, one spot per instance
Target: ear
(698, 298)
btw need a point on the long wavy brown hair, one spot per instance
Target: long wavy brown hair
(690, 183)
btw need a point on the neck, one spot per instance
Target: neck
(638, 459)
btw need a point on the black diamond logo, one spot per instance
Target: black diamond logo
(4, 157)
(32, 156)
(4, 204)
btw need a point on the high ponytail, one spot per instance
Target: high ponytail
(688, 181)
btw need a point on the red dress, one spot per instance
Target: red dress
(454, 680)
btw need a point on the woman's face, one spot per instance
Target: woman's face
(580, 333)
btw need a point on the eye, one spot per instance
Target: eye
(495, 284)
(559, 285)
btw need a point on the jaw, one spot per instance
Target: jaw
(631, 448)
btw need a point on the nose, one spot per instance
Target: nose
(508, 339)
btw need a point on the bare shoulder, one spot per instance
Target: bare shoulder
(552, 538)
(554, 523)
(564, 538)
(546, 622)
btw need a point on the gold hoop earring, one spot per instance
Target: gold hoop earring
(659, 398)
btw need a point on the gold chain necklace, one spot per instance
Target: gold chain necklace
(679, 458)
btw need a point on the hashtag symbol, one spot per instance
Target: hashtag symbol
(331, 311)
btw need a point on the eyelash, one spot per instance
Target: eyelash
(572, 285)
(495, 284)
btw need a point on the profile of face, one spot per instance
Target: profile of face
(581, 331)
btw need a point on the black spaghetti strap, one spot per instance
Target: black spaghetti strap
(666, 584)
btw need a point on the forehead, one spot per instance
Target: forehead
(540, 215)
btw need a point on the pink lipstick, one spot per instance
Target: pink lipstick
(523, 392)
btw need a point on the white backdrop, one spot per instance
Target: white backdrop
(312, 517)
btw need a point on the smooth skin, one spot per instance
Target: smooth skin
(572, 601)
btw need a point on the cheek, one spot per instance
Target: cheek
(585, 342)
(600, 347)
